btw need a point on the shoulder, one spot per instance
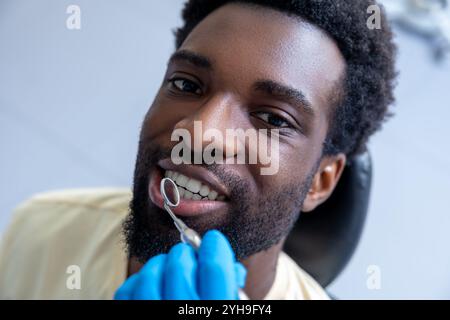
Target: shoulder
(52, 213)
(310, 288)
(293, 283)
(63, 207)
(109, 199)
(53, 230)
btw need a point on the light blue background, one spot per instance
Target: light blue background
(72, 101)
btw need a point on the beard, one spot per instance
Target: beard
(255, 222)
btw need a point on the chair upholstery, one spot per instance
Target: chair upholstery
(323, 241)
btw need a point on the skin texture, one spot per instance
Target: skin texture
(244, 45)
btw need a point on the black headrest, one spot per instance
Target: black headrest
(323, 241)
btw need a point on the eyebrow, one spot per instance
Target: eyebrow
(191, 57)
(283, 92)
(268, 87)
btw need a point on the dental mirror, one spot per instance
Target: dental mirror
(169, 192)
(171, 197)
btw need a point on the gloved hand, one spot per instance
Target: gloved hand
(212, 273)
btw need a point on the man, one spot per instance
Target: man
(311, 70)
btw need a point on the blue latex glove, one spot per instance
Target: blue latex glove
(212, 273)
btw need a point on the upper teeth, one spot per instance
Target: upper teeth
(190, 188)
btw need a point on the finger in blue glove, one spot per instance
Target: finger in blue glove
(218, 272)
(146, 284)
(180, 273)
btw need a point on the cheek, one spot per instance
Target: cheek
(296, 158)
(156, 110)
(292, 167)
(157, 121)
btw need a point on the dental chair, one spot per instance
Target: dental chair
(323, 241)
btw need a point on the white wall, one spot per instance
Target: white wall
(407, 233)
(72, 101)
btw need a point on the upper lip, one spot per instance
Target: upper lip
(197, 172)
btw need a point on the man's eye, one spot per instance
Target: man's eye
(273, 120)
(185, 85)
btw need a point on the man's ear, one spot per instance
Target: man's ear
(324, 181)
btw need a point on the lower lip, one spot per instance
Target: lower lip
(186, 207)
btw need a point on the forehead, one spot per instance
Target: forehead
(250, 42)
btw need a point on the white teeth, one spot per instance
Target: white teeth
(190, 188)
(193, 185)
(187, 195)
(181, 180)
(196, 197)
(171, 174)
(204, 190)
(212, 195)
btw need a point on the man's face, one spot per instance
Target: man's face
(240, 68)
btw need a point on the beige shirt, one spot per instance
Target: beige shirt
(68, 245)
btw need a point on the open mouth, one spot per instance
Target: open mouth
(190, 188)
(201, 192)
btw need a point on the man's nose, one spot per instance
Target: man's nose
(209, 123)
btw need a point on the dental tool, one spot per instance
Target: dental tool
(171, 197)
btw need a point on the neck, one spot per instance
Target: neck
(261, 270)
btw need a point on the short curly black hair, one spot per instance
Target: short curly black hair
(367, 89)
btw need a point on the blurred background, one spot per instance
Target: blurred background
(72, 102)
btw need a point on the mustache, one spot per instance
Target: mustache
(149, 155)
(255, 220)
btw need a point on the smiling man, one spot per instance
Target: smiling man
(312, 70)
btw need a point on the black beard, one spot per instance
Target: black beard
(254, 223)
